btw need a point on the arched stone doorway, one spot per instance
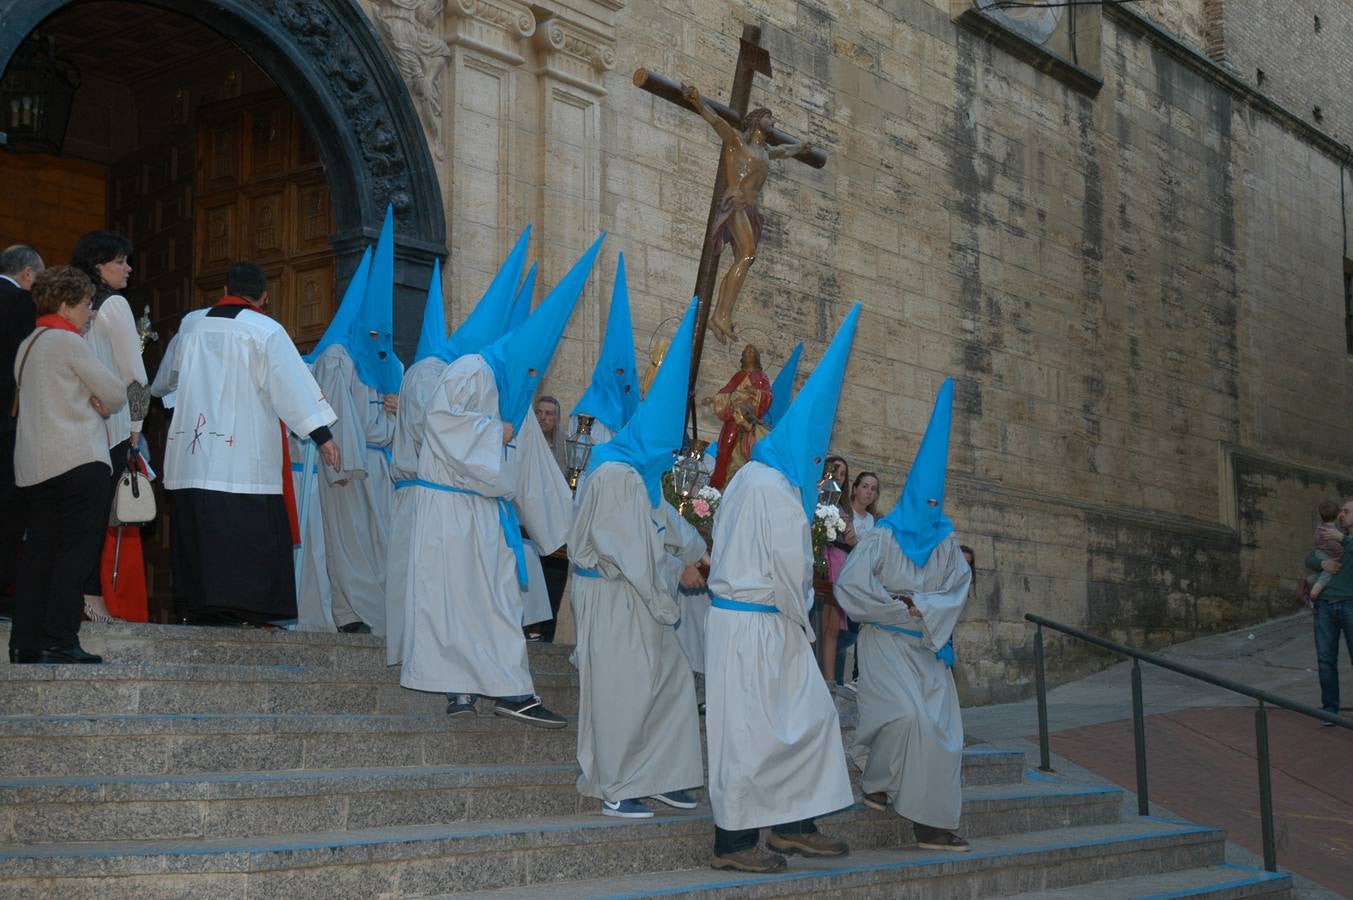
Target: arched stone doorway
(332, 67)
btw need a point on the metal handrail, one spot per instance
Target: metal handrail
(1139, 721)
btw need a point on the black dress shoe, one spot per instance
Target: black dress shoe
(355, 628)
(72, 654)
(24, 657)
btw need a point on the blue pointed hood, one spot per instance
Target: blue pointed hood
(655, 431)
(337, 332)
(613, 395)
(797, 445)
(433, 335)
(918, 522)
(782, 389)
(489, 319)
(371, 334)
(521, 305)
(520, 358)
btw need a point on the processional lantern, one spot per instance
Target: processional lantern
(828, 491)
(688, 475)
(35, 97)
(579, 450)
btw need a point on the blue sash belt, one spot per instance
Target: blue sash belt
(740, 606)
(945, 654)
(384, 450)
(586, 573)
(300, 467)
(507, 518)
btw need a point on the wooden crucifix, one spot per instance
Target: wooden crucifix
(749, 143)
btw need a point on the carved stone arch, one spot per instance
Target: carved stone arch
(327, 58)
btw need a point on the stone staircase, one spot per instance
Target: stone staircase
(220, 762)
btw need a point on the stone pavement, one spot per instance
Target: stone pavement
(1201, 750)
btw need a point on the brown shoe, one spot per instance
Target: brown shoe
(753, 859)
(816, 844)
(877, 800)
(944, 840)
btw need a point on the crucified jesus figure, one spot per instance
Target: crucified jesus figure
(746, 163)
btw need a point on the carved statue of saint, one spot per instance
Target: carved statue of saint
(740, 405)
(746, 157)
(421, 55)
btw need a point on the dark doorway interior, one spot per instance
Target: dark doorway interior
(180, 142)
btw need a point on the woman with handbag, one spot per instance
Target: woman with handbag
(61, 463)
(102, 255)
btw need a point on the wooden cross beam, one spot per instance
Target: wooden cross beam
(752, 58)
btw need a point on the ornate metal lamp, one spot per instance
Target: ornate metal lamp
(828, 491)
(36, 96)
(145, 329)
(578, 449)
(687, 474)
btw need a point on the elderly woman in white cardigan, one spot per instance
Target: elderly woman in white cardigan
(61, 464)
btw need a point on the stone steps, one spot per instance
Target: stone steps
(243, 762)
(643, 857)
(198, 688)
(1222, 882)
(84, 808)
(181, 744)
(925, 875)
(124, 642)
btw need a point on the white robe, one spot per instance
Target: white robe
(420, 380)
(114, 339)
(234, 378)
(356, 514)
(684, 541)
(910, 729)
(638, 726)
(775, 750)
(314, 610)
(463, 613)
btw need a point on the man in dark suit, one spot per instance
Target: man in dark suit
(19, 265)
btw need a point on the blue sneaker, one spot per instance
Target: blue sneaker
(676, 799)
(626, 809)
(460, 705)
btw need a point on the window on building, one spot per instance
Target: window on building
(1348, 304)
(1060, 37)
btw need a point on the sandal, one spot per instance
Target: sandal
(102, 618)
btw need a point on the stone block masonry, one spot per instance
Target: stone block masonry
(1138, 288)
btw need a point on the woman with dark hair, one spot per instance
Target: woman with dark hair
(102, 255)
(61, 464)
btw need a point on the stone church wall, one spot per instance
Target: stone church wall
(1138, 288)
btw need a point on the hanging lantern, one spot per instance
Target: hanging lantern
(35, 97)
(578, 449)
(828, 491)
(688, 475)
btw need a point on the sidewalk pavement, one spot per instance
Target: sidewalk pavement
(1200, 744)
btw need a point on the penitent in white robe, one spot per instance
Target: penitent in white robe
(420, 380)
(684, 541)
(356, 513)
(910, 729)
(463, 610)
(638, 726)
(314, 610)
(775, 750)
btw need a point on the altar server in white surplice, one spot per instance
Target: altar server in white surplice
(360, 375)
(638, 727)
(463, 612)
(435, 351)
(775, 752)
(235, 372)
(906, 582)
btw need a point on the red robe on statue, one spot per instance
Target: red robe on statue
(747, 386)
